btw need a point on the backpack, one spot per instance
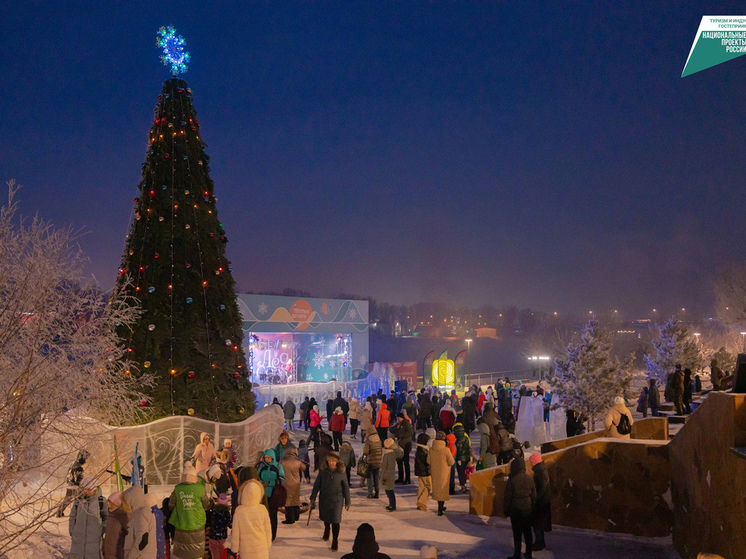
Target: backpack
(494, 447)
(624, 427)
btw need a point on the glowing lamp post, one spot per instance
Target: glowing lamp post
(468, 347)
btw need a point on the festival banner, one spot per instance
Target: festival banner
(718, 39)
(460, 365)
(427, 365)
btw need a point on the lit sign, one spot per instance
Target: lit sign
(443, 372)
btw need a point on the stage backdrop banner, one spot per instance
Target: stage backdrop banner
(403, 370)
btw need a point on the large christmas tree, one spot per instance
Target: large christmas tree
(189, 334)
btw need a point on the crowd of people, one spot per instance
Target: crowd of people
(218, 502)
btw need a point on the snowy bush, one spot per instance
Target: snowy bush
(589, 379)
(673, 345)
(60, 365)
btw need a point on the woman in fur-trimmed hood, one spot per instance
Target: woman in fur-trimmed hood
(334, 493)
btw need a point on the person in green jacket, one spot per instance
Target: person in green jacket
(188, 503)
(463, 454)
(271, 474)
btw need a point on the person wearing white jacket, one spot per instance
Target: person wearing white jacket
(252, 531)
(140, 540)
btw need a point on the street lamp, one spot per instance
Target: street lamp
(696, 337)
(468, 347)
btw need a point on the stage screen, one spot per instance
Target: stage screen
(286, 358)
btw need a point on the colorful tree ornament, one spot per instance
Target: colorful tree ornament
(173, 45)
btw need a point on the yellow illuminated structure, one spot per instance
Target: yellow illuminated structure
(443, 372)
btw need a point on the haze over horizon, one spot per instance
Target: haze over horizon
(547, 156)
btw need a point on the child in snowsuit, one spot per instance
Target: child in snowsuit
(220, 521)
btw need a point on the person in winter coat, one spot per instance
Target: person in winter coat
(437, 405)
(469, 409)
(373, 452)
(116, 526)
(322, 449)
(642, 402)
(204, 453)
(518, 504)
(337, 426)
(293, 469)
(440, 460)
(305, 460)
(447, 417)
(333, 492)
(160, 521)
(283, 443)
(366, 420)
(654, 397)
(507, 451)
(410, 408)
(403, 432)
(611, 422)
(140, 540)
(488, 459)
(354, 417)
(340, 402)
(271, 474)
(463, 454)
(329, 411)
(228, 447)
(87, 521)
(188, 503)
(516, 400)
(391, 453)
(347, 457)
(289, 412)
(451, 445)
(365, 546)
(677, 390)
(220, 521)
(252, 531)
(422, 471)
(426, 411)
(687, 390)
(219, 480)
(489, 415)
(382, 421)
(315, 418)
(303, 417)
(542, 515)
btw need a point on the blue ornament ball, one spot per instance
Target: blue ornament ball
(222, 307)
(189, 300)
(151, 289)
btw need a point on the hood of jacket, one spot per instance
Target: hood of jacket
(340, 467)
(437, 443)
(135, 497)
(252, 493)
(271, 453)
(458, 430)
(365, 545)
(384, 407)
(517, 466)
(202, 437)
(423, 439)
(291, 453)
(483, 428)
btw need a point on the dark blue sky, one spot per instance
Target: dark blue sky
(540, 154)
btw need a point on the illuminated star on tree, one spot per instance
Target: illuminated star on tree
(173, 45)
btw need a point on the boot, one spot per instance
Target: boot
(325, 537)
(440, 508)
(335, 545)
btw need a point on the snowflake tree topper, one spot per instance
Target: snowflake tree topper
(172, 45)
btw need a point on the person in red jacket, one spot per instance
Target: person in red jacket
(447, 417)
(337, 426)
(382, 421)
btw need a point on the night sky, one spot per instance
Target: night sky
(540, 154)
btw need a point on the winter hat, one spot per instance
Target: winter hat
(228, 443)
(441, 436)
(428, 552)
(432, 433)
(284, 434)
(151, 499)
(213, 472)
(619, 400)
(223, 499)
(116, 498)
(388, 443)
(333, 455)
(365, 541)
(535, 458)
(400, 414)
(189, 473)
(338, 410)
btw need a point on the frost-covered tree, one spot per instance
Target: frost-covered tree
(673, 344)
(589, 378)
(60, 367)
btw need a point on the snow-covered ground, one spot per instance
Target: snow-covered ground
(401, 534)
